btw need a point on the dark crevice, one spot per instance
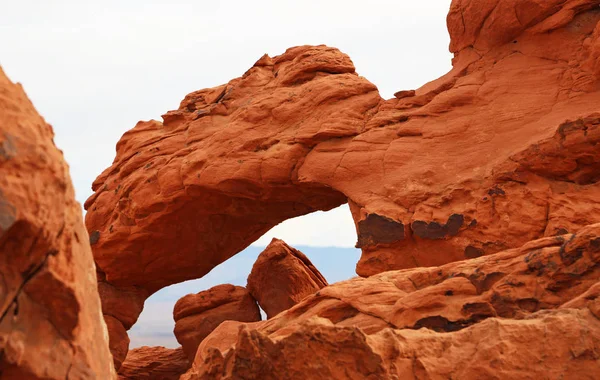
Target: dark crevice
(340, 313)
(440, 324)
(484, 282)
(434, 230)
(390, 324)
(376, 229)
(27, 278)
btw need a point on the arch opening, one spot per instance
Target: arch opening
(327, 238)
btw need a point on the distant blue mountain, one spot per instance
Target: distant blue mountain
(155, 325)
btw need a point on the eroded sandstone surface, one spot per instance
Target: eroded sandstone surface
(154, 363)
(281, 277)
(526, 313)
(50, 318)
(533, 348)
(197, 315)
(500, 151)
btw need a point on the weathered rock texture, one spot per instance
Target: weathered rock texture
(118, 340)
(281, 277)
(121, 308)
(227, 159)
(197, 315)
(50, 321)
(154, 363)
(500, 151)
(526, 313)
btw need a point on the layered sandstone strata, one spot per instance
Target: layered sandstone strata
(526, 313)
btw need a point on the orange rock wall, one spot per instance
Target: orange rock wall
(51, 323)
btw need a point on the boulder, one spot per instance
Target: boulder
(281, 277)
(197, 315)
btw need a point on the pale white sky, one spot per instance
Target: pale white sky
(93, 69)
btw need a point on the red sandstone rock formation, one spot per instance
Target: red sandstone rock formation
(494, 349)
(121, 308)
(118, 340)
(197, 315)
(281, 277)
(137, 198)
(246, 187)
(531, 312)
(50, 319)
(500, 151)
(154, 363)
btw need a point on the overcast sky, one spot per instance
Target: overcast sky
(94, 68)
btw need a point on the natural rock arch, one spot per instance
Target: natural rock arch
(469, 164)
(224, 168)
